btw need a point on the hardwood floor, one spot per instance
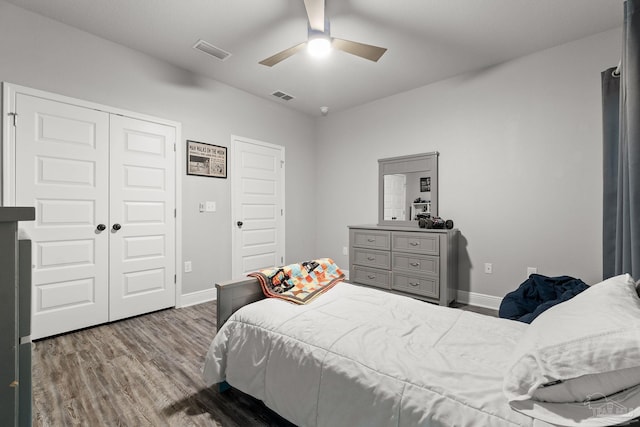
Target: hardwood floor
(481, 310)
(143, 371)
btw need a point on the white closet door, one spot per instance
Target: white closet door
(61, 169)
(142, 205)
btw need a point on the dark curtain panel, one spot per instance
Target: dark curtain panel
(621, 155)
(611, 135)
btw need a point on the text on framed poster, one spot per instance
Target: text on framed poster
(206, 159)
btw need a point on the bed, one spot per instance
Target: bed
(356, 356)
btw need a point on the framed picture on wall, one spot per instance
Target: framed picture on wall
(425, 184)
(206, 159)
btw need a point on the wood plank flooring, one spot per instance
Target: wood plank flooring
(143, 371)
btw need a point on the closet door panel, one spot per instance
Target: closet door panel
(61, 153)
(142, 204)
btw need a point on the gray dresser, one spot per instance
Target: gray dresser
(15, 318)
(410, 261)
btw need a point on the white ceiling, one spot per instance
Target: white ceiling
(427, 40)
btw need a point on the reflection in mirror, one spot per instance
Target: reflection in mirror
(395, 197)
(419, 194)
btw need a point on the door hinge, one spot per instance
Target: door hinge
(174, 147)
(175, 213)
(281, 212)
(281, 164)
(175, 278)
(281, 260)
(14, 117)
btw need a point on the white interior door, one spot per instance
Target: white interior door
(395, 197)
(142, 227)
(258, 205)
(61, 169)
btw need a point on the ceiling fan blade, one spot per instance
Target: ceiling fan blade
(315, 13)
(281, 56)
(366, 51)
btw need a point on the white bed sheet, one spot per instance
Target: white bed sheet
(361, 357)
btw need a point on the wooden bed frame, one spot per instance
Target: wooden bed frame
(234, 294)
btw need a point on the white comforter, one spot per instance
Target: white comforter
(361, 357)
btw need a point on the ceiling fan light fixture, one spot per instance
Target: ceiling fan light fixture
(319, 46)
(319, 41)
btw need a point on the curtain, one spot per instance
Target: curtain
(621, 154)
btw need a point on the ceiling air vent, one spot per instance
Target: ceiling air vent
(212, 50)
(282, 95)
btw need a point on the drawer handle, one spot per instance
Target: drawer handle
(414, 284)
(371, 240)
(371, 276)
(371, 258)
(414, 243)
(415, 264)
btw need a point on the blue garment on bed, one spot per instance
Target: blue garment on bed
(537, 294)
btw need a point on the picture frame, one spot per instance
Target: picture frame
(425, 184)
(206, 159)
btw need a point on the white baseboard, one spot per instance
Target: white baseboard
(198, 297)
(479, 300)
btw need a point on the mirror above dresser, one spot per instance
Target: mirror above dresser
(407, 188)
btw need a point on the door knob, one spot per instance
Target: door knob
(116, 227)
(101, 227)
(239, 224)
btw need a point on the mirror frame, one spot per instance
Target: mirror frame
(426, 163)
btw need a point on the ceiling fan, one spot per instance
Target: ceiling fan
(320, 39)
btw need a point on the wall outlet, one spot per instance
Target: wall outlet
(201, 207)
(345, 250)
(488, 268)
(187, 266)
(531, 270)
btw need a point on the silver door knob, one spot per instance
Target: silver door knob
(116, 227)
(101, 227)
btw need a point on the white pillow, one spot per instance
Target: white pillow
(584, 348)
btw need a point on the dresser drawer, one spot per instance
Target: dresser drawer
(372, 258)
(423, 264)
(370, 276)
(420, 243)
(428, 286)
(371, 239)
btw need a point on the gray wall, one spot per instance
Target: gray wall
(520, 163)
(46, 55)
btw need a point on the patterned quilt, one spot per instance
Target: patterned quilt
(299, 283)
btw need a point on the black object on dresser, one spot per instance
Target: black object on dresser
(15, 318)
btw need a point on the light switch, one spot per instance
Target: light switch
(211, 206)
(201, 207)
